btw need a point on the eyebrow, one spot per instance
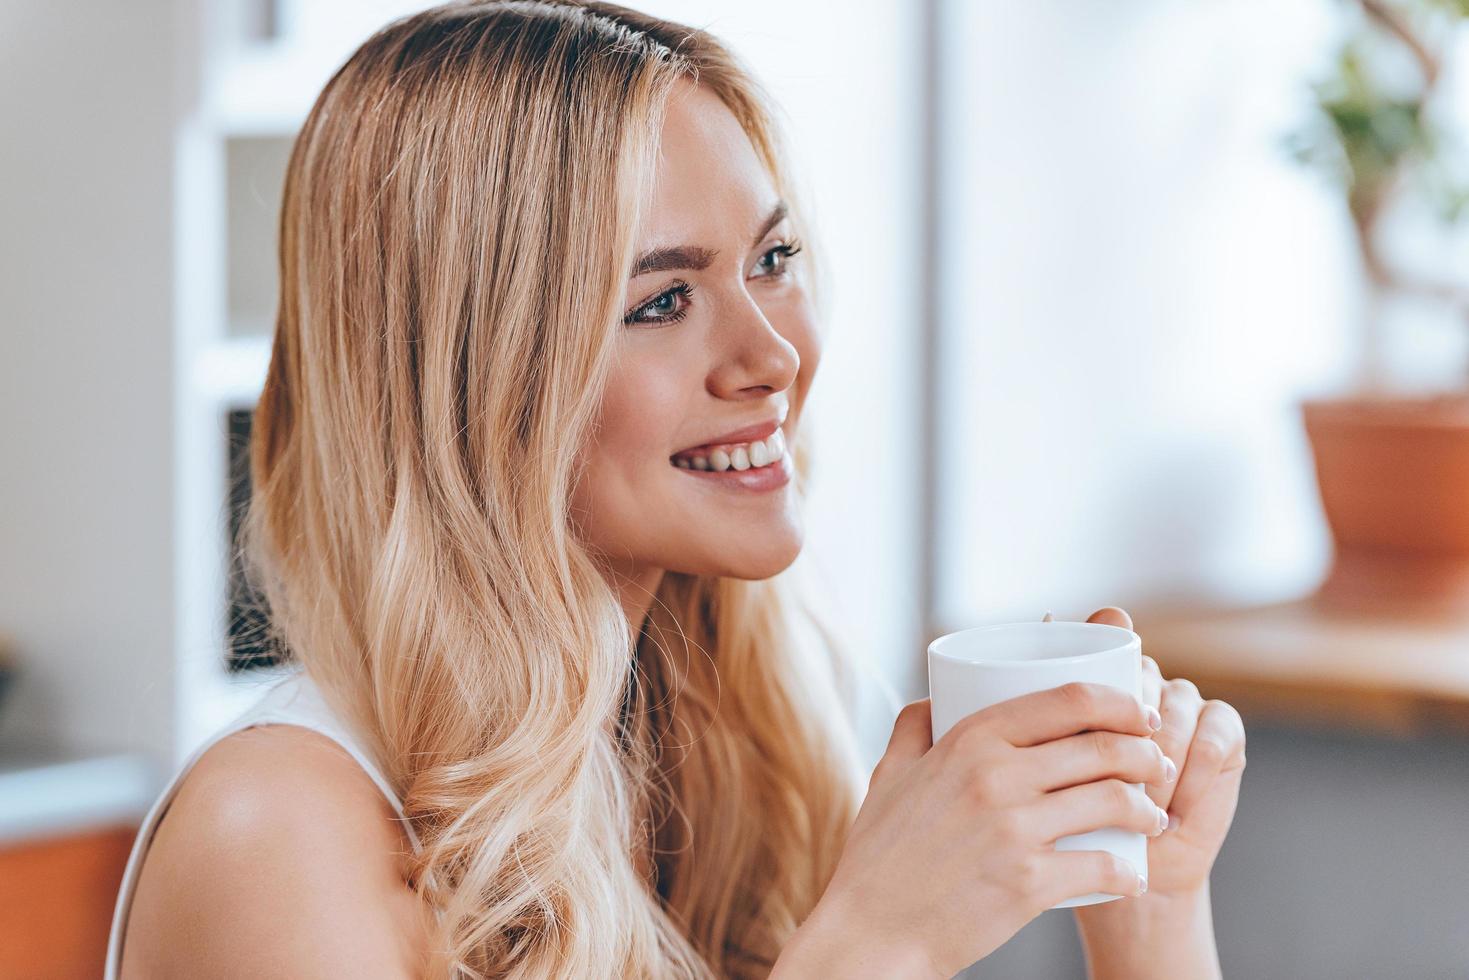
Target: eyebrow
(695, 257)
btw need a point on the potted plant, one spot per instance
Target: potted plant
(1392, 466)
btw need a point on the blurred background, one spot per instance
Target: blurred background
(1159, 304)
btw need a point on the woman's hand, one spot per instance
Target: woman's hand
(1206, 740)
(1169, 932)
(952, 851)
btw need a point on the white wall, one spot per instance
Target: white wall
(1141, 284)
(85, 369)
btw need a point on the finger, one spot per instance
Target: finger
(912, 733)
(1092, 806)
(1111, 616)
(1152, 681)
(1068, 874)
(1097, 755)
(1060, 711)
(1180, 708)
(1218, 746)
(1152, 685)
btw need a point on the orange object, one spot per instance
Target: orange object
(56, 900)
(1393, 473)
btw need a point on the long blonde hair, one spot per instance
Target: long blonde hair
(455, 235)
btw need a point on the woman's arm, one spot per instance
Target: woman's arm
(1169, 930)
(828, 946)
(1151, 936)
(278, 857)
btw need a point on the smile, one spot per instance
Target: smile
(735, 456)
(761, 466)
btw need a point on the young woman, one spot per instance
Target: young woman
(527, 467)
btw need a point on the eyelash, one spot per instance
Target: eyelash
(638, 315)
(680, 288)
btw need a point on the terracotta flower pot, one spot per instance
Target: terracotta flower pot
(1394, 479)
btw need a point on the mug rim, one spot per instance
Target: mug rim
(1128, 638)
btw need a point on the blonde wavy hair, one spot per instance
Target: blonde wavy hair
(455, 238)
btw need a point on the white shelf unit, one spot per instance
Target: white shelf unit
(245, 99)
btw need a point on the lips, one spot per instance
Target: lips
(749, 433)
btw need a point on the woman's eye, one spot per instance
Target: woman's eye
(774, 260)
(663, 308)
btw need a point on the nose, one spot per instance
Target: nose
(755, 359)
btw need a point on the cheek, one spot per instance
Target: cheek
(641, 410)
(632, 435)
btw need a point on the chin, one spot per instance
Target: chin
(754, 565)
(757, 572)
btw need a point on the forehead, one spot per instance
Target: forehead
(709, 181)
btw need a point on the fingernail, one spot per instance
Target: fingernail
(1162, 821)
(1155, 720)
(1170, 770)
(1142, 884)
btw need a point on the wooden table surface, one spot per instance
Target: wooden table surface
(1302, 664)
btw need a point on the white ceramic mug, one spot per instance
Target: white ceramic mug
(975, 668)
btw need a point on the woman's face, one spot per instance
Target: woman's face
(720, 337)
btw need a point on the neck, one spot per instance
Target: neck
(635, 588)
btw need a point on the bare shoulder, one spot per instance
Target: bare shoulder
(278, 856)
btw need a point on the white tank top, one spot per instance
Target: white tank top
(293, 699)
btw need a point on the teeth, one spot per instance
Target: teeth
(741, 457)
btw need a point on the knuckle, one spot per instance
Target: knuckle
(984, 786)
(970, 736)
(1182, 686)
(1099, 745)
(1079, 695)
(1237, 723)
(1120, 795)
(1209, 751)
(1029, 881)
(1010, 826)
